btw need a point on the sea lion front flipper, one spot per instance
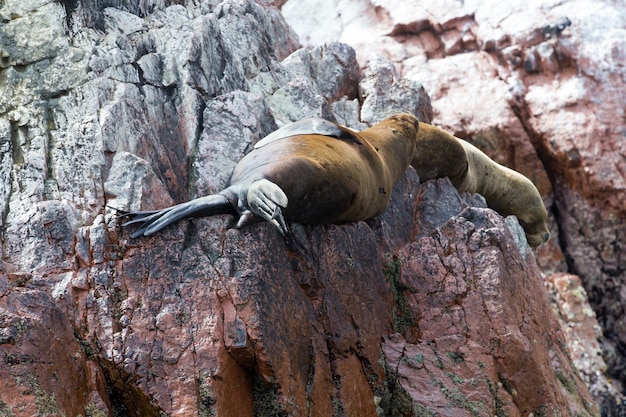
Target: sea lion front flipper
(310, 126)
(265, 199)
(152, 221)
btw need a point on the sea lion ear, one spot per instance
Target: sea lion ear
(310, 126)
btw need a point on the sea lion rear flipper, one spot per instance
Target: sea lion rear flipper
(153, 221)
(265, 199)
(310, 126)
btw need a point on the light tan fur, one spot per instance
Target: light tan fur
(440, 154)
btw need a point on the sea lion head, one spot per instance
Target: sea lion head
(537, 239)
(534, 222)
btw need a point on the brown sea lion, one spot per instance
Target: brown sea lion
(329, 175)
(440, 154)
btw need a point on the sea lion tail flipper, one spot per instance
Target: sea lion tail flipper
(152, 221)
(265, 199)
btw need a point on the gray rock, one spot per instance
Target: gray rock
(232, 123)
(383, 92)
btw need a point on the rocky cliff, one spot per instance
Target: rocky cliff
(437, 307)
(539, 86)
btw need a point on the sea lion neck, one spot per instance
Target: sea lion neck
(397, 154)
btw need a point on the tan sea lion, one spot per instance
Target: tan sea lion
(440, 154)
(329, 175)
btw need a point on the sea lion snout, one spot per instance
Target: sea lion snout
(537, 239)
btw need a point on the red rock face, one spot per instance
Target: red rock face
(43, 370)
(350, 318)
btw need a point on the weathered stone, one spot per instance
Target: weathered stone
(335, 70)
(581, 328)
(299, 99)
(43, 365)
(133, 183)
(311, 81)
(231, 123)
